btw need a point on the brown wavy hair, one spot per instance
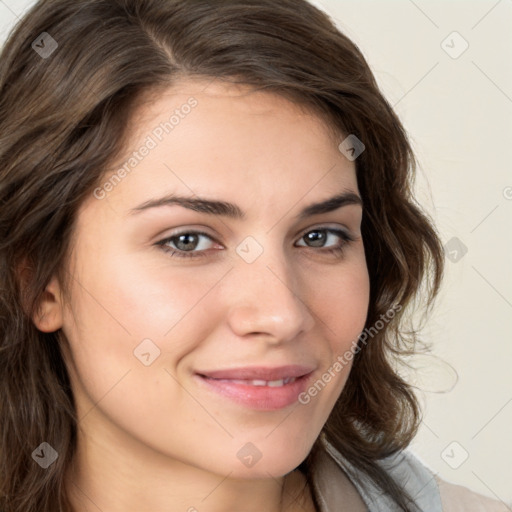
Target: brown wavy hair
(65, 118)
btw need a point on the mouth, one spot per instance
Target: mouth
(270, 383)
(258, 388)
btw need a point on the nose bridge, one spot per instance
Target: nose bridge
(267, 297)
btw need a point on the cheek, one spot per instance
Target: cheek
(127, 300)
(341, 301)
(341, 305)
(126, 314)
(119, 319)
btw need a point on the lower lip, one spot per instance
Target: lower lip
(263, 398)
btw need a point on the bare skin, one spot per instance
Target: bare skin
(154, 437)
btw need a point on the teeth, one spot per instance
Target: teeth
(270, 383)
(257, 382)
(275, 383)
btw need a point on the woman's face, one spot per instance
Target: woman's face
(171, 354)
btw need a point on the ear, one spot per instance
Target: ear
(48, 317)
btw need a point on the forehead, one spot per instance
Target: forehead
(246, 99)
(214, 139)
(224, 104)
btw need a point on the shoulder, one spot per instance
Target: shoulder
(429, 491)
(457, 498)
(450, 497)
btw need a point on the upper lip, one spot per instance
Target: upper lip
(259, 372)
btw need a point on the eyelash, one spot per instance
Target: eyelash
(177, 253)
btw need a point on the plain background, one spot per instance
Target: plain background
(456, 104)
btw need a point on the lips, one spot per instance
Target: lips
(259, 388)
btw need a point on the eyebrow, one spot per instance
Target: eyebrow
(233, 211)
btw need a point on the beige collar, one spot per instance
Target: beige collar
(333, 491)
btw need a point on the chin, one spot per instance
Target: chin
(275, 461)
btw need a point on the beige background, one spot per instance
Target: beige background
(457, 108)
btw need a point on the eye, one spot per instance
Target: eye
(186, 242)
(194, 244)
(320, 236)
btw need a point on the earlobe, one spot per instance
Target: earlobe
(49, 313)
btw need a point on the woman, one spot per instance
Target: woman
(208, 243)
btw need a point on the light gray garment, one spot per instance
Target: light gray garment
(403, 467)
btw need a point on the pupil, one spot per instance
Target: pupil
(185, 241)
(317, 237)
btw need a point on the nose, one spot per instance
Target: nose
(266, 300)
